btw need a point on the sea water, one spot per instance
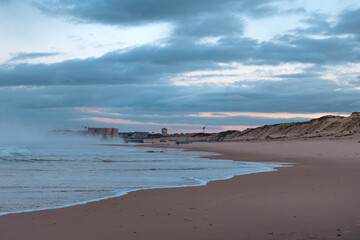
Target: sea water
(35, 176)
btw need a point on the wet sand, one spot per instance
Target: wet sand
(318, 198)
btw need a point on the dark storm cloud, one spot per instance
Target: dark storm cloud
(151, 63)
(295, 95)
(143, 64)
(183, 50)
(194, 20)
(248, 51)
(177, 51)
(26, 56)
(316, 24)
(174, 103)
(112, 68)
(349, 22)
(260, 96)
(138, 80)
(332, 50)
(183, 53)
(124, 12)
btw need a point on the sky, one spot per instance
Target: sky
(140, 65)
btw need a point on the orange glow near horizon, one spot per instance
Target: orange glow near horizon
(274, 115)
(97, 110)
(191, 128)
(211, 128)
(280, 115)
(124, 121)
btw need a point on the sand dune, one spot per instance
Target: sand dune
(327, 126)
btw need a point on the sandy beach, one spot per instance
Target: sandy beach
(317, 198)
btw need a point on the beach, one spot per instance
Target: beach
(317, 198)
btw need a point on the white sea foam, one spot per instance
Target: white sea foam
(43, 176)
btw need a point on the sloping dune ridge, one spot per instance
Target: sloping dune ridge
(327, 126)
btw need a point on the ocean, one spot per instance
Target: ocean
(45, 175)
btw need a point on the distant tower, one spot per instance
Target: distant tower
(164, 131)
(203, 129)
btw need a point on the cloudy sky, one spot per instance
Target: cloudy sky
(148, 64)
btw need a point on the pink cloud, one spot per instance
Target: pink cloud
(282, 115)
(124, 121)
(213, 129)
(98, 110)
(210, 128)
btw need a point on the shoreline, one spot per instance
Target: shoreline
(124, 193)
(318, 198)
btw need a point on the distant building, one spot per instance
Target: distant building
(125, 134)
(164, 131)
(103, 131)
(140, 134)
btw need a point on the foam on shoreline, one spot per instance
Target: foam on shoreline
(197, 182)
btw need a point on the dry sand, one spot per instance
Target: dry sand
(318, 198)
